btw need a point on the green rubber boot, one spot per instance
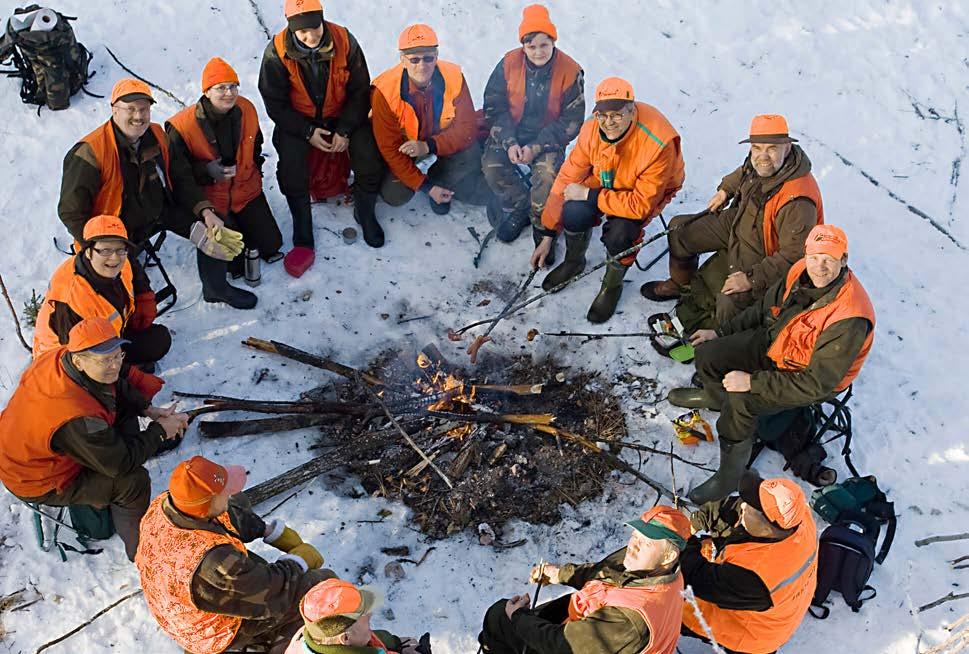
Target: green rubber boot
(605, 303)
(576, 244)
(734, 458)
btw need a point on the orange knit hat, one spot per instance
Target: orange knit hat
(826, 239)
(218, 71)
(417, 36)
(535, 18)
(769, 128)
(198, 481)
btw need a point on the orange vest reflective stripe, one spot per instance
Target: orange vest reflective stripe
(389, 83)
(660, 605)
(235, 193)
(564, 72)
(802, 187)
(44, 401)
(789, 570)
(794, 345)
(69, 288)
(105, 147)
(336, 84)
(167, 559)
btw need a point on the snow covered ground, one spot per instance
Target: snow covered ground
(876, 91)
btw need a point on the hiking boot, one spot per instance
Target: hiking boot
(681, 274)
(215, 288)
(440, 208)
(692, 398)
(660, 291)
(733, 461)
(576, 244)
(605, 303)
(365, 214)
(537, 237)
(512, 225)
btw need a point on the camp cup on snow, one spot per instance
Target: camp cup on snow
(349, 235)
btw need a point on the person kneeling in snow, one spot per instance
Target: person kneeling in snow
(628, 603)
(336, 616)
(205, 589)
(754, 575)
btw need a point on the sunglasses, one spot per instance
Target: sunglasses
(427, 59)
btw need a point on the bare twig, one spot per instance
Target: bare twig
(941, 539)
(654, 450)
(942, 600)
(81, 626)
(16, 320)
(151, 84)
(484, 338)
(290, 352)
(288, 498)
(676, 496)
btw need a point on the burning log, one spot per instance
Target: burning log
(232, 428)
(290, 352)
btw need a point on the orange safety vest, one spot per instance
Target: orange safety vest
(44, 401)
(802, 187)
(336, 83)
(389, 83)
(564, 73)
(660, 605)
(105, 147)
(235, 193)
(788, 568)
(794, 345)
(167, 558)
(69, 288)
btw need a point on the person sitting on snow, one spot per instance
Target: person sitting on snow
(626, 166)
(628, 603)
(336, 618)
(534, 105)
(70, 433)
(755, 569)
(205, 589)
(422, 107)
(806, 340)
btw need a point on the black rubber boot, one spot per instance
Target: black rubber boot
(364, 212)
(440, 208)
(537, 237)
(127, 521)
(216, 289)
(734, 458)
(576, 244)
(605, 303)
(511, 225)
(302, 211)
(692, 398)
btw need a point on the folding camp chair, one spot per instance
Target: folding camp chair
(166, 297)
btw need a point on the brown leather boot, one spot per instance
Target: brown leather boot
(681, 272)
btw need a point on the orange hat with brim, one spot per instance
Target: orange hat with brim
(333, 598)
(218, 71)
(417, 37)
(95, 335)
(104, 228)
(613, 93)
(663, 523)
(198, 481)
(826, 239)
(769, 128)
(535, 18)
(129, 90)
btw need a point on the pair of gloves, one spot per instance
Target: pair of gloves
(219, 243)
(285, 539)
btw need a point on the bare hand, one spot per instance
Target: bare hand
(529, 152)
(415, 149)
(339, 143)
(737, 381)
(541, 252)
(515, 153)
(174, 425)
(212, 219)
(515, 603)
(549, 574)
(717, 200)
(576, 192)
(702, 336)
(737, 282)
(440, 194)
(154, 412)
(318, 140)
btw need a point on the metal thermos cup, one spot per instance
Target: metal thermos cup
(252, 270)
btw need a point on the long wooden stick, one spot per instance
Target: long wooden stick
(497, 418)
(232, 428)
(942, 600)
(940, 539)
(16, 320)
(486, 337)
(81, 626)
(290, 352)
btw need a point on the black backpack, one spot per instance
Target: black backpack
(51, 63)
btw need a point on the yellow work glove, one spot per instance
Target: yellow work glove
(312, 556)
(286, 541)
(217, 242)
(230, 239)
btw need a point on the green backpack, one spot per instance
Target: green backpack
(858, 500)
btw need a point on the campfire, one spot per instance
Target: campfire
(516, 439)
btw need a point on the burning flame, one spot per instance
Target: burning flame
(456, 399)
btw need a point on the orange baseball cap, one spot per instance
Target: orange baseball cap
(295, 7)
(780, 500)
(417, 36)
(198, 481)
(334, 598)
(826, 239)
(218, 71)
(95, 335)
(769, 128)
(128, 90)
(613, 93)
(105, 227)
(535, 18)
(663, 522)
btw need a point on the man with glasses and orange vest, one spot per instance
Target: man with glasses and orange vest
(774, 201)
(626, 166)
(422, 107)
(205, 589)
(220, 136)
(123, 168)
(806, 340)
(534, 105)
(99, 282)
(70, 433)
(628, 603)
(752, 565)
(315, 84)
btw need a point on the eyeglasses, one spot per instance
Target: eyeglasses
(106, 360)
(225, 89)
(611, 116)
(427, 59)
(109, 252)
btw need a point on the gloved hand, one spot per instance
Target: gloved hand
(309, 554)
(147, 385)
(281, 537)
(216, 170)
(146, 310)
(218, 242)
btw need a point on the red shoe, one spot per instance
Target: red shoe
(298, 260)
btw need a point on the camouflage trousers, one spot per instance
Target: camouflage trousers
(521, 192)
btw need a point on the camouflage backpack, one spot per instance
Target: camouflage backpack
(47, 57)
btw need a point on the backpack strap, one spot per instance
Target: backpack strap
(889, 535)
